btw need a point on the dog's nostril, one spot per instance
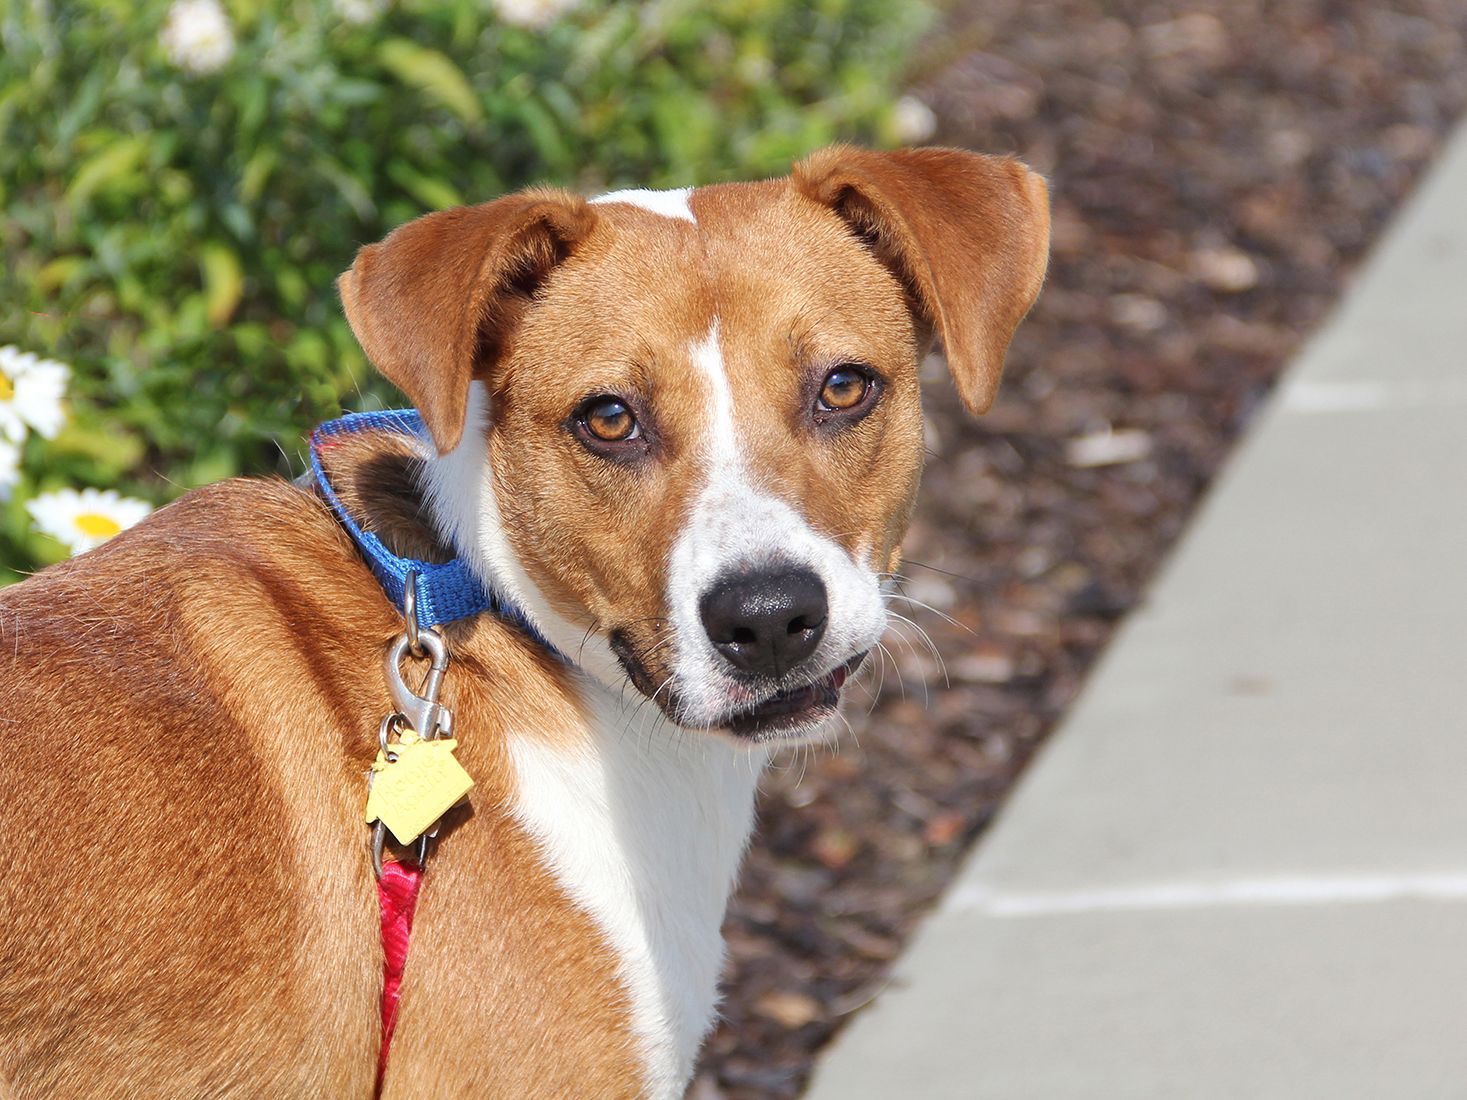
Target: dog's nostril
(766, 623)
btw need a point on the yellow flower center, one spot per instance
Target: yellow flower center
(7, 388)
(97, 526)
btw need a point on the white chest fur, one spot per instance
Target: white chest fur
(644, 828)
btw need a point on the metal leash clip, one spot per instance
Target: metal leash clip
(418, 711)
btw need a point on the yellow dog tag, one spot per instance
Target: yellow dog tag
(412, 792)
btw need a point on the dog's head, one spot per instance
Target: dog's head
(683, 428)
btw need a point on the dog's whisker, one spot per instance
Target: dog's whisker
(896, 668)
(944, 572)
(943, 615)
(907, 644)
(927, 641)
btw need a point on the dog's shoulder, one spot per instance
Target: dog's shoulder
(224, 562)
(241, 524)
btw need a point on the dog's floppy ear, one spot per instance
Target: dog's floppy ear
(967, 235)
(433, 302)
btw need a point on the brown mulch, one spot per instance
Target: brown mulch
(1218, 171)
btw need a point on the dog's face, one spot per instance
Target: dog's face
(684, 429)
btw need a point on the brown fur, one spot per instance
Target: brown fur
(189, 907)
(191, 709)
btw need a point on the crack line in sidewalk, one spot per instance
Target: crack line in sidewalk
(1299, 890)
(1311, 396)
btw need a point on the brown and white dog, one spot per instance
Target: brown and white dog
(681, 431)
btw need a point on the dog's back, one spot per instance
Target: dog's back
(137, 801)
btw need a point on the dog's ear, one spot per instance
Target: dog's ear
(433, 303)
(966, 234)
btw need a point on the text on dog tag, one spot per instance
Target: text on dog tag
(410, 793)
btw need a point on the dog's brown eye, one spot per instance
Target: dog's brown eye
(844, 388)
(609, 420)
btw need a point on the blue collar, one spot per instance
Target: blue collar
(446, 591)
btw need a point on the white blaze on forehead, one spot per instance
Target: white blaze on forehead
(670, 204)
(722, 438)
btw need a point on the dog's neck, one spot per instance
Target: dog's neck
(642, 823)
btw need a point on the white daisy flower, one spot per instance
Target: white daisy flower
(9, 468)
(536, 14)
(913, 120)
(86, 519)
(31, 390)
(358, 12)
(198, 36)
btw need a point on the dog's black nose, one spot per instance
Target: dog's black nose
(766, 623)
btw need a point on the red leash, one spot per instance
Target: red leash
(397, 892)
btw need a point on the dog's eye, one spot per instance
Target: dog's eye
(608, 419)
(848, 388)
(844, 388)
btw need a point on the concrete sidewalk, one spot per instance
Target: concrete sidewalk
(1239, 870)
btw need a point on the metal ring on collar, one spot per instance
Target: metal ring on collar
(410, 612)
(422, 711)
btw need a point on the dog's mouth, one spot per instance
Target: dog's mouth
(784, 714)
(793, 711)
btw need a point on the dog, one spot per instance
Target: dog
(678, 435)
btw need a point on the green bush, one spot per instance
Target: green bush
(173, 234)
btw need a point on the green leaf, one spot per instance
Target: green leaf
(112, 449)
(433, 74)
(223, 282)
(211, 465)
(349, 187)
(433, 193)
(82, 108)
(545, 134)
(354, 93)
(115, 161)
(291, 285)
(256, 172)
(254, 105)
(237, 220)
(54, 274)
